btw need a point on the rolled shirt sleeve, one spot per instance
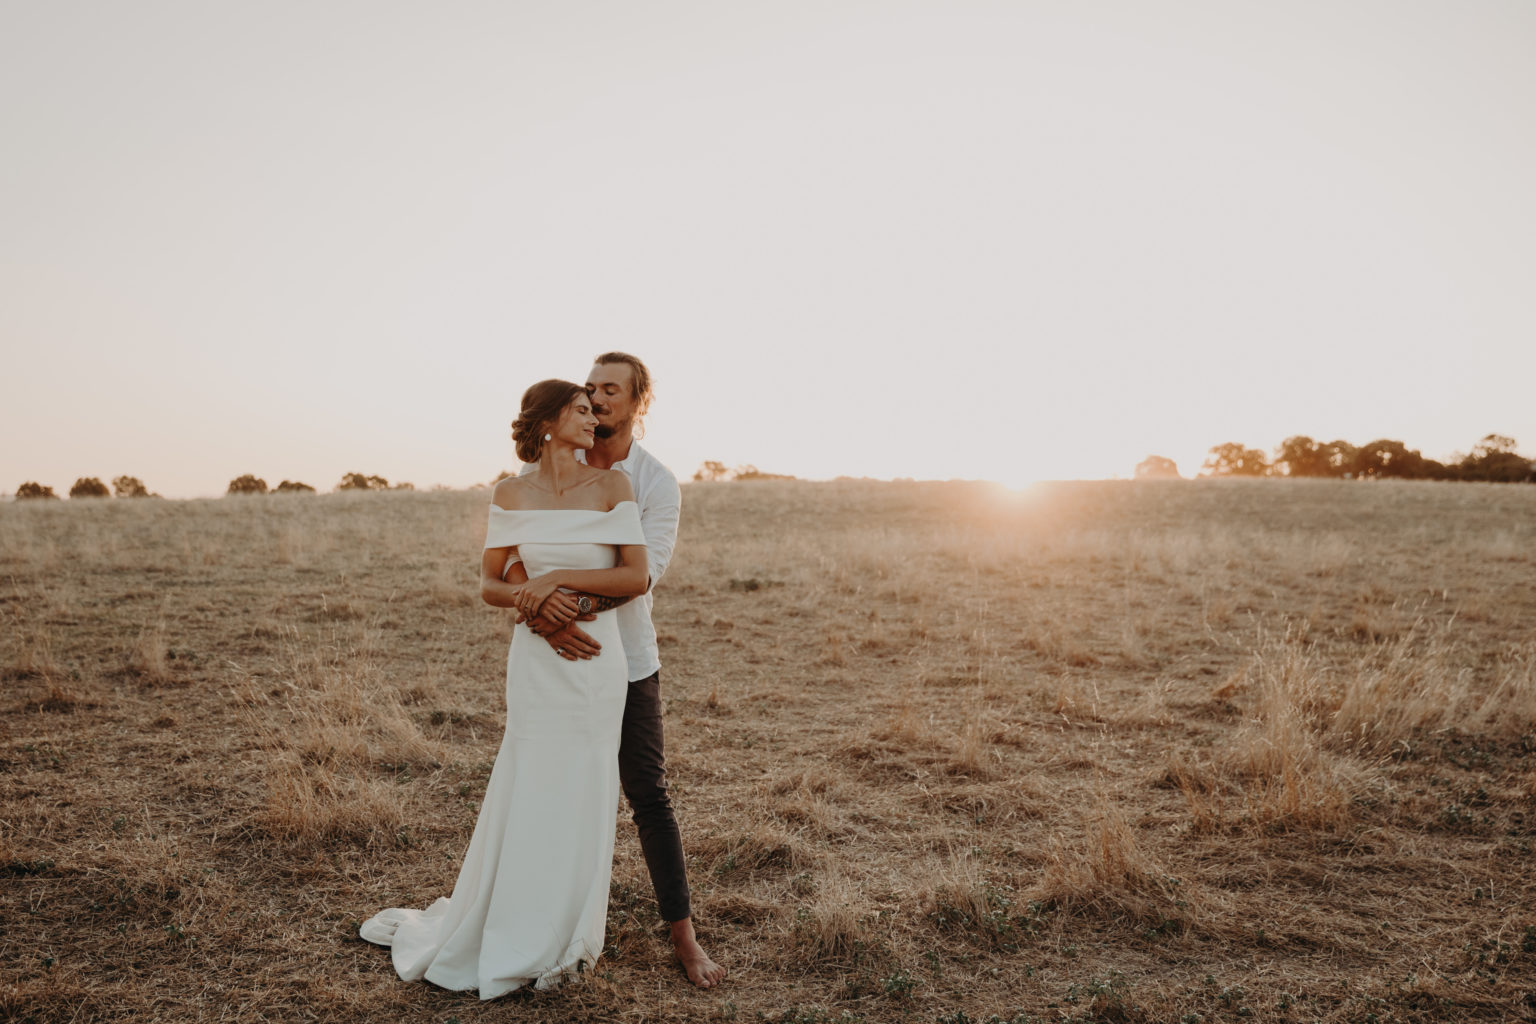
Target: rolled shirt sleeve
(661, 502)
(660, 509)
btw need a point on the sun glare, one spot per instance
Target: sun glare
(1019, 482)
(1025, 474)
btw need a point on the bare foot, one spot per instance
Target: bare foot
(702, 971)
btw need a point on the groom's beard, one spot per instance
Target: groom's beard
(604, 432)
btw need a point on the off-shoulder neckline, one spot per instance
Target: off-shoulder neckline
(592, 511)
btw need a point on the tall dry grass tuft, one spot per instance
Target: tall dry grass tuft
(1109, 872)
(807, 799)
(1292, 781)
(289, 545)
(35, 660)
(151, 860)
(1044, 633)
(1113, 857)
(908, 722)
(357, 719)
(764, 849)
(59, 699)
(835, 923)
(455, 585)
(1418, 684)
(312, 803)
(969, 752)
(339, 720)
(815, 779)
(1203, 790)
(1294, 755)
(149, 658)
(1420, 688)
(981, 911)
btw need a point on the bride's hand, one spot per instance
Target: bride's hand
(532, 595)
(525, 603)
(560, 608)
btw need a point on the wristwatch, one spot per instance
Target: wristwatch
(584, 603)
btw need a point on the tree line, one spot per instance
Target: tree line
(249, 484)
(712, 472)
(133, 487)
(89, 487)
(1493, 459)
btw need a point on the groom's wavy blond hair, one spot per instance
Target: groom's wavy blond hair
(639, 379)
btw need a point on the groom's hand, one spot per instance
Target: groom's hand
(569, 641)
(543, 624)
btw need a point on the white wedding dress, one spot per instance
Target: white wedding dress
(531, 900)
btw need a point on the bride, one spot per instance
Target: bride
(531, 899)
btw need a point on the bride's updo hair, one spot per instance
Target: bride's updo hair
(542, 405)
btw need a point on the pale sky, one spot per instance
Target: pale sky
(1006, 240)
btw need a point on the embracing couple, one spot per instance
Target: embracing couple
(575, 543)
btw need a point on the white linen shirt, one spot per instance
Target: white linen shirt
(661, 503)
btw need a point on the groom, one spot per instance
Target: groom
(620, 388)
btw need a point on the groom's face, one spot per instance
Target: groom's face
(611, 386)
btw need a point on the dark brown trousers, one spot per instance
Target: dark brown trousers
(643, 774)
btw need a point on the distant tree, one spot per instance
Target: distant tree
(1232, 459)
(1431, 469)
(1386, 459)
(1494, 459)
(89, 487)
(1157, 467)
(1493, 444)
(403, 486)
(129, 487)
(711, 472)
(359, 482)
(1301, 456)
(247, 484)
(1338, 457)
(292, 487)
(751, 472)
(30, 490)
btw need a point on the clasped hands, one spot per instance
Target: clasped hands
(552, 613)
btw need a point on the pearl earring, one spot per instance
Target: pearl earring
(548, 438)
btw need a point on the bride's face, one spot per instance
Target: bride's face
(577, 425)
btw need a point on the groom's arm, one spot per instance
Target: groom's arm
(603, 602)
(660, 508)
(600, 602)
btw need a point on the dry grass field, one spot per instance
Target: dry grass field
(1205, 751)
